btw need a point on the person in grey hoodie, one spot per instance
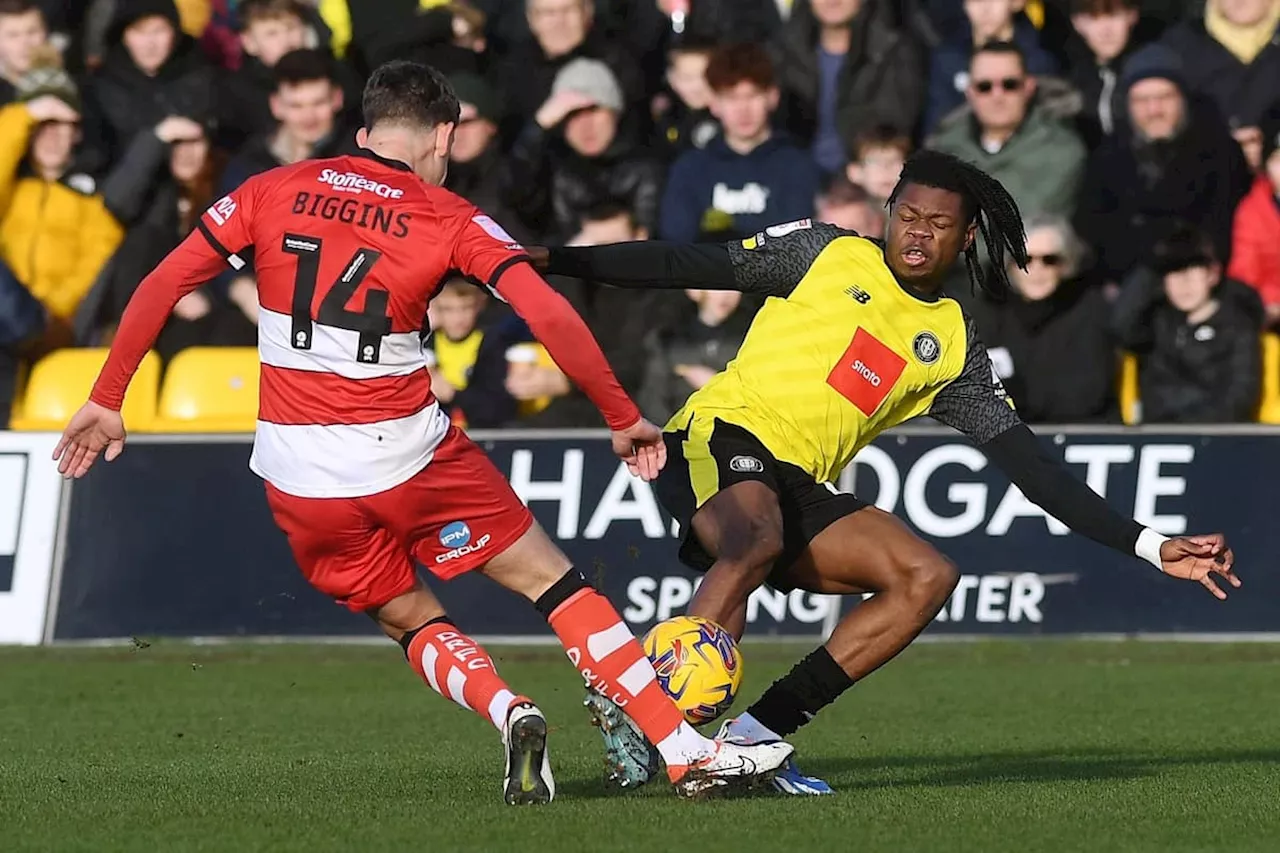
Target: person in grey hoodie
(1014, 136)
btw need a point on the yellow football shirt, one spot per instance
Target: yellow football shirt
(840, 352)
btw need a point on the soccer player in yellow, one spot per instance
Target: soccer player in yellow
(855, 338)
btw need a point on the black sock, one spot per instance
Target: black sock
(570, 582)
(811, 685)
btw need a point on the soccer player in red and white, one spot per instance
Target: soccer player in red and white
(363, 472)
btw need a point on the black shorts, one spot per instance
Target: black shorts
(702, 461)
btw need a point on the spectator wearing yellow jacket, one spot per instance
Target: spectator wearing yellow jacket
(55, 231)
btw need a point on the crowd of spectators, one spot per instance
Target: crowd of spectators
(1139, 137)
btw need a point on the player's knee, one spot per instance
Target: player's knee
(930, 579)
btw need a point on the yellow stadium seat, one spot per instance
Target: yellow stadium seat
(1269, 411)
(59, 384)
(1130, 404)
(210, 389)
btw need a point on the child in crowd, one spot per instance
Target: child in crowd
(467, 363)
(1255, 251)
(847, 205)
(1106, 29)
(682, 119)
(875, 161)
(1199, 353)
(684, 357)
(749, 177)
(268, 30)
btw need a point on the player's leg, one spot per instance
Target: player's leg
(458, 668)
(469, 518)
(347, 555)
(722, 485)
(610, 659)
(865, 551)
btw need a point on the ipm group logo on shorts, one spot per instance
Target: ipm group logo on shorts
(456, 537)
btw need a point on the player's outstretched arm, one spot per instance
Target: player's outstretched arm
(976, 404)
(98, 429)
(573, 348)
(1050, 485)
(772, 263)
(645, 264)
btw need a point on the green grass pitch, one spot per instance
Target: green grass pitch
(1000, 746)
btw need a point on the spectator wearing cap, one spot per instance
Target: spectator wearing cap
(1174, 161)
(1232, 56)
(477, 166)
(1255, 250)
(563, 31)
(55, 229)
(22, 34)
(152, 70)
(749, 177)
(1049, 342)
(1108, 34)
(986, 21)
(1199, 358)
(1009, 133)
(574, 155)
(844, 67)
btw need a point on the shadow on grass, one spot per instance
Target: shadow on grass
(874, 772)
(868, 772)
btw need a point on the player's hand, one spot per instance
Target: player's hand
(92, 430)
(642, 448)
(51, 108)
(1199, 558)
(558, 107)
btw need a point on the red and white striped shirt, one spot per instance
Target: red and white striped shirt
(347, 253)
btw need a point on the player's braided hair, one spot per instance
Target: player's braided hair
(985, 201)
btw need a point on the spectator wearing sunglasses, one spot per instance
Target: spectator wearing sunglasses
(985, 21)
(1010, 135)
(1049, 342)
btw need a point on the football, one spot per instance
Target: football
(698, 664)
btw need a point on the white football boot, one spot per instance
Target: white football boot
(527, 780)
(733, 769)
(788, 779)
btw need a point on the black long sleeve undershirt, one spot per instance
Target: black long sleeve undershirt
(1047, 483)
(651, 264)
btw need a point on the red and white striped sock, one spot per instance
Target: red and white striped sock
(611, 660)
(458, 668)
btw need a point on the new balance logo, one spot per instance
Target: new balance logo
(858, 294)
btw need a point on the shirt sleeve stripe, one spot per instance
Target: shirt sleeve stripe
(230, 257)
(503, 267)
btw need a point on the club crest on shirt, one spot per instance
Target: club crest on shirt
(926, 347)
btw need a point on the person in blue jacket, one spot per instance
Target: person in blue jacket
(750, 177)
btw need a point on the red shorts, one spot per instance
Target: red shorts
(454, 515)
